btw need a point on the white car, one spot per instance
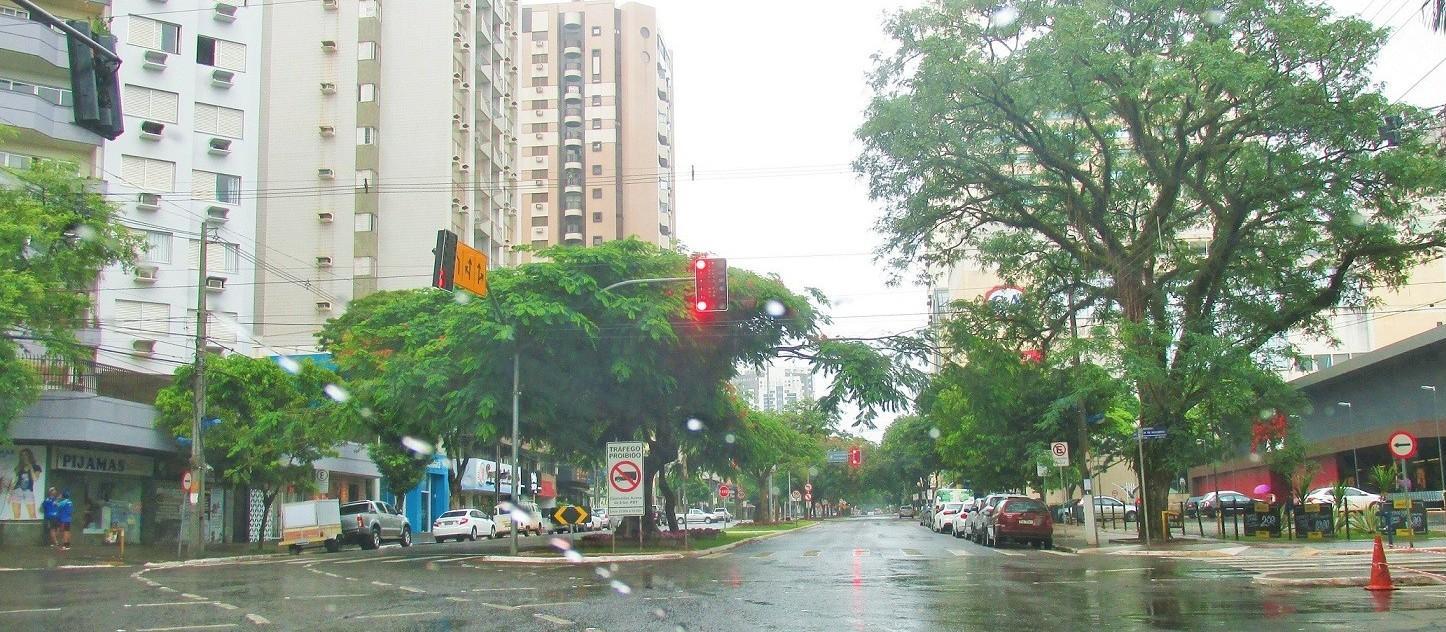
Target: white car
(463, 523)
(944, 520)
(1356, 499)
(599, 520)
(526, 514)
(722, 515)
(958, 522)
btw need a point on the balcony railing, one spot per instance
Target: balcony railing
(58, 375)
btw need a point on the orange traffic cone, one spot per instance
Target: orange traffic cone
(1380, 572)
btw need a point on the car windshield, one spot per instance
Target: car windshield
(1016, 505)
(952, 506)
(355, 508)
(455, 514)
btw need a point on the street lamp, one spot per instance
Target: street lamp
(1355, 460)
(1440, 457)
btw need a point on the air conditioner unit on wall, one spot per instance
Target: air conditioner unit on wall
(325, 217)
(143, 346)
(225, 12)
(328, 87)
(154, 60)
(148, 201)
(323, 262)
(152, 130)
(323, 306)
(145, 274)
(326, 174)
(215, 283)
(223, 78)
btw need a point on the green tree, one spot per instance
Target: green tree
(273, 425)
(1202, 176)
(768, 444)
(906, 458)
(57, 233)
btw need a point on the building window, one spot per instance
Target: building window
(539, 59)
(539, 104)
(597, 170)
(597, 30)
(141, 317)
(148, 173)
(597, 145)
(597, 217)
(365, 222)
(219, 121)
(596, 239)
(220, 53)
(539, 221)
(597, 123)
(538, 82)
(538, 128)
(58, 96)
(539, 198)
(597, 99)
(539, 150)
(364, 266)
(539, 174)
(365, 178)
(539, 243)
(220, 256)
(366, 92)
(15, 161)
(206, 185)
(366, 135)
(366, 51)
(155, 34)
(158, 247)
(597, 193)
(15, 13)
(367, 8)
(150, 104)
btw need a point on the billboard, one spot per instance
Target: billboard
(22, 481)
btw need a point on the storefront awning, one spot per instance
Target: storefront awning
(351, 459)
(88, 419)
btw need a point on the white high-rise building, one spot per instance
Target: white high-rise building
(384, 122)
(191, 86)
(775, 387)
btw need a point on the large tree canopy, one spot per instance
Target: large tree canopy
(1202, 176)
(56, 234)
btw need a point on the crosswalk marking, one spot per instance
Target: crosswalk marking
(912, 552)
(456, 559)
(811, 553)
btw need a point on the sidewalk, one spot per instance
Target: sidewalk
(1120, 541)
(91, 556)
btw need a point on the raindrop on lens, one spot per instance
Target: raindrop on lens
(1003, 16)
(572, 556)
(1266, 413)
(289, 365)
(933, 433)
(813, 471)
(1214, 17)
(621, 588)
(660, 614)
(603, 572)
(560, 543)
(86, 232)
(1358, 218)
(366, 413)
(729, 438)
(695, 425)
(774, 308)
(462, 298)
(416, 445)
(336, 392)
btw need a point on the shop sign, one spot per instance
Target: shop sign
(99, 462)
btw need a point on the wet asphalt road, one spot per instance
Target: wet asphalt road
(859, 574)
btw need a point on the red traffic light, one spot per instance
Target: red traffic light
(856, 457)
(710, 280)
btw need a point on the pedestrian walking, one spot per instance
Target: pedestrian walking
(49, 508)
(63, 512)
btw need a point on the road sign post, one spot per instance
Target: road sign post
(1403, 445)
(1059, 450)
(625, 480)
(723, 491)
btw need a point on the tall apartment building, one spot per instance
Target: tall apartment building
(774, 387)
(383, 123)
(35, 96)
(191, 95)
(597, 124)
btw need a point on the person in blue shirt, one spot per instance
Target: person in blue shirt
(49, 508)
(63, 512)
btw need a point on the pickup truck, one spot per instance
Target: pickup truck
(695, 516)
(370, 522)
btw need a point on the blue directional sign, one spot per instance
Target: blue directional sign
(837, 456)
(1152, 433)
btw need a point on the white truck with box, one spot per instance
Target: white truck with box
(311, 523)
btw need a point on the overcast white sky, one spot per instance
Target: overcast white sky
(768, 95)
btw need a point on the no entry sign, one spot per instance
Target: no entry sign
(1403, 445)
(625, 478)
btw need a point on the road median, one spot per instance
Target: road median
(556, 556)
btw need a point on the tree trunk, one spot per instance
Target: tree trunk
(669, 504)
(454, 484)
(266, 500)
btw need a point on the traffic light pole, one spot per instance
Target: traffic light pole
(643, 281)
(42, 16)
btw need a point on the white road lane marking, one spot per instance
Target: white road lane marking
(167, 603)
(165, 588)
(397, 614)
(459, 599)
(325, 596)
(543, 605)
(365, 559)
(961, 552)
(762, 555)
(30, 610)
(212, 626)
(413, 559)
(377, 583)
(551, 619)
(223, 605)
(258, 619)
(1059, 553)
(912, 552)
(191, 596)
(1009, 553)
(411, 590)
(497, 607)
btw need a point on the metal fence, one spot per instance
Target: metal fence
(58, 375)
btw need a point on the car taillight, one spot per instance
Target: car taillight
(464, 521)
(359, 522)
(948, 513)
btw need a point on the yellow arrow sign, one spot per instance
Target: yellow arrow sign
(570, 514)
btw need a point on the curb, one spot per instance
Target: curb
(645, 557)
(1341, 582)
(212, 561)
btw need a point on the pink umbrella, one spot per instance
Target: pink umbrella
(1262, 489)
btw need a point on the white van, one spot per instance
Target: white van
(530, 523)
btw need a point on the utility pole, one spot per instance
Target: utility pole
(516, 479)
(195, 526)
(1087, 500)
(1440, 456)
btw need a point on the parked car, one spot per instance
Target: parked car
(956, 525)
(1111, 508)
(370, 522)
(525, 513)
(944, 520)
(462, 524)
(599, 520)
(976, 525)
(1228, 502)
(906, 511)
(1192, 505)
(1356, 499)
(1020, 519)
(694, 517)
(721, 514)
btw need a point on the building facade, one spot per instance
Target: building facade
(774, 387)
(384, 122)
(190, 88)
(596, 101)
